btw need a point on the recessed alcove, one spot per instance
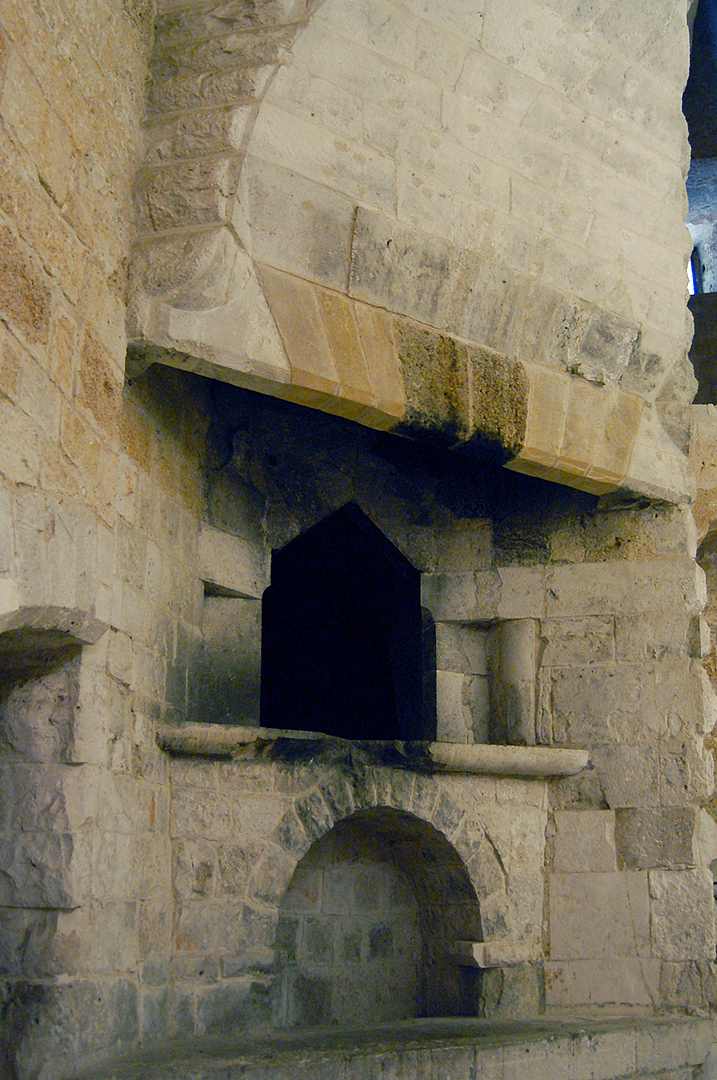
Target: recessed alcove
(368, 926)
(346, 647)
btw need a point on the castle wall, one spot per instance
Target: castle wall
(536, 313)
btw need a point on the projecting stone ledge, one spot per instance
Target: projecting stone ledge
(619, 1048)
(218, 740)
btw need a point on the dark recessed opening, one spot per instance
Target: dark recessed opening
(345, 646)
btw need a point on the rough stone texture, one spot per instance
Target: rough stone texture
(467, 218)
(442, 1050)
(599, 915)
(659, 838)
(364, 168)
(689, 934)
(585, 842)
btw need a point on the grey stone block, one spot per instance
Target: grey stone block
(44, 870)
(628, 774)
(682, 915)
(577, 641)
(461, 648)
(317, 243)
(599, 915)
(647, 839)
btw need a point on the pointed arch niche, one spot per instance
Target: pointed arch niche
(347, 649)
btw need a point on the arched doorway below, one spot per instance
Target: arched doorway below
(368, 926)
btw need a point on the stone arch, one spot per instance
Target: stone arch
(349, 788)
(357, 943)
(435, 184)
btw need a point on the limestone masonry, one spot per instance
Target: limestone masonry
(358, 540)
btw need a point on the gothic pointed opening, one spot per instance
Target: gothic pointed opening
(346, 648)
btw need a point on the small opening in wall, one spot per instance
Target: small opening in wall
(346, 648)
(694, 273)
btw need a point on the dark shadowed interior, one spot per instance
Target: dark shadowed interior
(342, 635)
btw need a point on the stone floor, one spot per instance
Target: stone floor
(446, 1049)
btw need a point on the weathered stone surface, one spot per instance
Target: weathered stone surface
(231, 563)
(611, 982)
(511, 176)
(577, 641)
(44, 870)
(628, 774)
(655, 838)
(682, 922)
(461, 648)
(499, 393)
(297, 225)
(435, 373)
(585, 842)
(599, 915)
(461, 707)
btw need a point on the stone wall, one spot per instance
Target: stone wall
(397, 193)
(318, 174)
(472, 849)
(75, 821)
(587, 627)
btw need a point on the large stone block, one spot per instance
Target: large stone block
(461, 648)
(651, 636)
(655, 838)
(686, 771)
(599, 915)
(374, 78)
(317, 154)
(195, 814)
(608, 703)
(584, 842)
(628, 774)
(499, 398)
(682, 915)
(617, 588)
(380, 29)
(231, 563)
(435, 374)
(624, 981)
(25, 298)
(209, 927)
(525, 39)
(570, 642)
(44, 870)
(55, 798)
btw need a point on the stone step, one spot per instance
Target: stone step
(440, 1049)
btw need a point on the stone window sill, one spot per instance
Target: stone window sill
(218, 740)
